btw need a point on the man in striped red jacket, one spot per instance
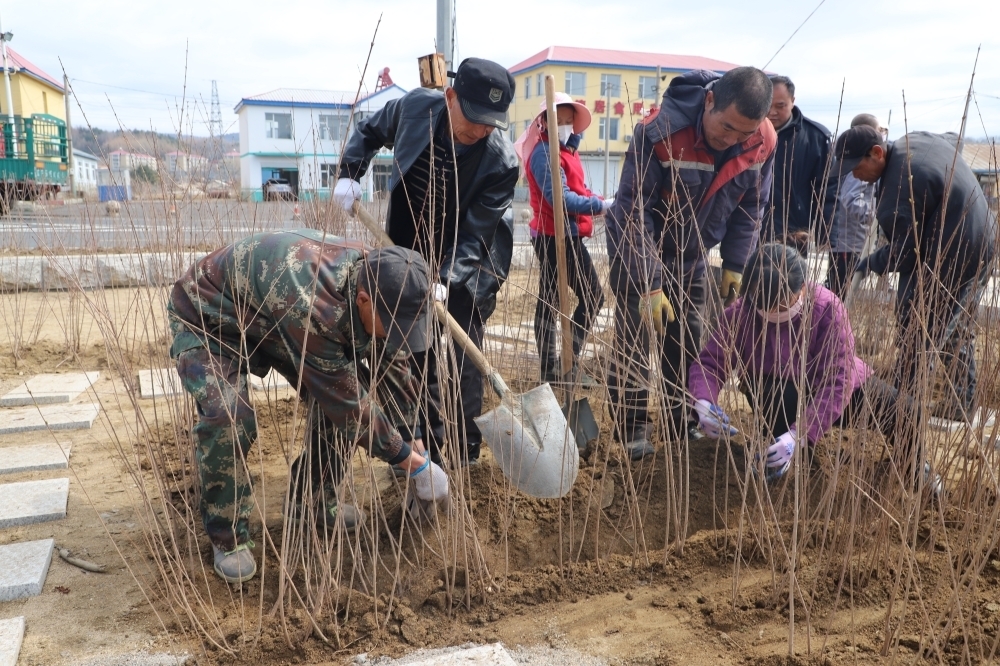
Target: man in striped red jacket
(697, 174)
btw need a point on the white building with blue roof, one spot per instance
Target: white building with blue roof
(298, 135)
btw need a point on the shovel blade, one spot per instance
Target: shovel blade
(532, 443)
(582, 422)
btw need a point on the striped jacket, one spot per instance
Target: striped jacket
(673, 203)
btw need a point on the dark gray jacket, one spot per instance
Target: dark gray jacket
(479, 259)
(802, 199)
(940, 218)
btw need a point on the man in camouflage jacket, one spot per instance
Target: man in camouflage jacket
(334, 318)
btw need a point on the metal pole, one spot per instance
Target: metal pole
(10, 100)
(445, 21)
(607, 135)
(71, 163)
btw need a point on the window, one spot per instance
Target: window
(327, 175)
(527, 87)
(540, 89)
(527, 124)
(576, 84)
(613, 136)
(611, 84)
(279, 125)
(647, 87)
(331, 127)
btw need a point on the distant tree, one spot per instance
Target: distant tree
(145, 174)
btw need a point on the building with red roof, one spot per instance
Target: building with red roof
(619, 88)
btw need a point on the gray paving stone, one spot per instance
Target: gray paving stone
(49, 389)
(28, 502)
(482, 655)
(24, 568)
(11, 635)
(49, 417)
(33, 458)
(159, 383)
(271, 381)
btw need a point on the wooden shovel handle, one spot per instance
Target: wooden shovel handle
(457, 332)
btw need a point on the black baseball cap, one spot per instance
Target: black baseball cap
(854, 144)
(396, 280)
(485, 90)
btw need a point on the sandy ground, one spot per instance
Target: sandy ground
(619, 602)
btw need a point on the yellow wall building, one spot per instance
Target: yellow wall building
(588, 76)
(31, 89)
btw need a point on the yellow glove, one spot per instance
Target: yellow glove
(655, 308)
(730, 287)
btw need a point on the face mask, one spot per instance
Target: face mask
(783, 316)
(565, 132)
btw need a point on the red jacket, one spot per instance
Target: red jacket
(579, 223)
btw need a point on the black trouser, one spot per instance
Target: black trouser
(438, 427)
(840, 271)
(948, 312)
(628, 379)
(584, 282)
(874, 404)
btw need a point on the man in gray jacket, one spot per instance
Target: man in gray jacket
(942, 238)
(451, 192)
(852, 223)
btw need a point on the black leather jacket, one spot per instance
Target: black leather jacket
(479, 260)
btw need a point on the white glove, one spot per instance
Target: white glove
(430, 482)
(440, 292)
(779, 456)
(606, 204)
(712, 420)
(346, 192)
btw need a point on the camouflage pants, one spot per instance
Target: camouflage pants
(224, 433)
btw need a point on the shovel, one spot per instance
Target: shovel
(578, 411)
(527, 433)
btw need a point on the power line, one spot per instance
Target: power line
(793, 34)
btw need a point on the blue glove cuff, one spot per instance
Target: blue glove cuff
(427, 462)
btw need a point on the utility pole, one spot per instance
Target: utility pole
(607, 135)
(71, 163)
(446, 31)
(215, 119)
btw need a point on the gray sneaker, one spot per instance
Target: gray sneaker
(351, 516)
(237, 565)
(932, 481)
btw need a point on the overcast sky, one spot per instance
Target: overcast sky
(126, 59)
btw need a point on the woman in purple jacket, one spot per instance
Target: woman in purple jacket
(790, 341)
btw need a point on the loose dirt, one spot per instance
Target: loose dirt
(603, 572)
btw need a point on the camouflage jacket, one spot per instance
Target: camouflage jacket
(285, 300)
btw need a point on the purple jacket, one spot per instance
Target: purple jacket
(674, 193)
(745, 344)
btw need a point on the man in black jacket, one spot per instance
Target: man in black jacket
(451, 192)
(942, 238)
(802, 200)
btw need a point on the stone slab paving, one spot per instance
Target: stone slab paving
(49, 388)
(271, 381)
(11, 635)
(50, 417)
(159, 383)
(29, 502)
(466, 655)
(24, 568)
(33, 458)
